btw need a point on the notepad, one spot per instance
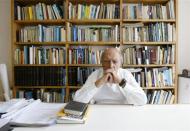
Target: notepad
(75, 108)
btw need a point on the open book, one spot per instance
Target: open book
(36, 113)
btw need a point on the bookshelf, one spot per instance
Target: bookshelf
(55, 51)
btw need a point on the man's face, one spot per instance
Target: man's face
(111, 59)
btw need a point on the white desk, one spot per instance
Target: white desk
(128, 118)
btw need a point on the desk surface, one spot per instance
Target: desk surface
(128, 118)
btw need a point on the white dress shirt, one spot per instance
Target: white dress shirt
(109, 93)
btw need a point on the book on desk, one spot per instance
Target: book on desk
(74, 112)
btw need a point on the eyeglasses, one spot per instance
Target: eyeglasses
(109, 61)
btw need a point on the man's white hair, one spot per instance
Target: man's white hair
(118, 51)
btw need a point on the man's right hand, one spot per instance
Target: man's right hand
(104, 79)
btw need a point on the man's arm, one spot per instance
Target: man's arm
(132, 91)
(88, 90)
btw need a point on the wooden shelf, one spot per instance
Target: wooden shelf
(144, 88)
(149, 43)
(78, 87)
(95, 21)
(85, 65)
(40, 43)
(94, 43)
(94, 1)
(30, 65)
(149, 20)
(146, 1)
(26, 2)
(151, 65)
(32, 87)
(35, 22)
(74, 87)
(158, 88)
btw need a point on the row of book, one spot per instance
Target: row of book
(160, 97)
(40, 11)
(154, 77)
(157, 11)
(94, 11)
(40, 55)
(84, 55)
(58, 95)
(48, 95)
(131, 33)
(41, 33)
(151, 32)
(93, 33)
(39, 76)
(78, 75)
(133, 55)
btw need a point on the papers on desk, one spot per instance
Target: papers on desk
(4, 125)
(11, 108)
(36, 113)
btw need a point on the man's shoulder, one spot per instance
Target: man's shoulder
(121, 70)
(97, 72)
(125, 73)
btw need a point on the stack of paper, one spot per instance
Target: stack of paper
(30, 112)
(4, 125)
(37, 114)
(13, 107)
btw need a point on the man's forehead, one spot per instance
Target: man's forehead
(111, 50)
(111, 55)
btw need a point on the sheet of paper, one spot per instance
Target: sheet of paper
(3, 122)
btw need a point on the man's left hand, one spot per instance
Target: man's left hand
(115, 77)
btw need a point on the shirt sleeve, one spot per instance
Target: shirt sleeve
(88, 90)
(132, 91)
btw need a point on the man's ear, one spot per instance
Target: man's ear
(120, 49)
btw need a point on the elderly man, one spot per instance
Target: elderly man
(111, 84)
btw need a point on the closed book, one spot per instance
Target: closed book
(70, 119)
(75, 108)
(63, 118)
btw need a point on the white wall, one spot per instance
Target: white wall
(184, 35)
(5, 35)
